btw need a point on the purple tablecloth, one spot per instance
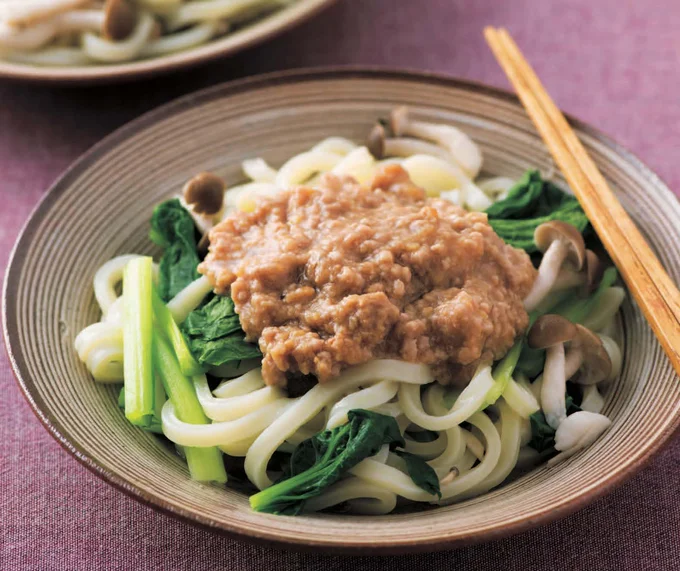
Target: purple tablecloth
(613, 63)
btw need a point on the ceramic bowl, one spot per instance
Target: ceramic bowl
(250, 35)
(100, 208)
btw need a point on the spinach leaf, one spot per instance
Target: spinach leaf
(542, 434)
(172, 228)
(423, 435)
(214, 335)
(531, 202)
(322, 460)
(531, 361)
(421, 473)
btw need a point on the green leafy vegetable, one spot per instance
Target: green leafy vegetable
(529, 203)
(423, 435)
(214, 333)
(542, 434)
(576, 308)
(502, 374)
(421, 473)
(172, 228)
(322, 460)
(531, 361)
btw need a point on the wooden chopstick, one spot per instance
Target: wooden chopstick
(651, 286)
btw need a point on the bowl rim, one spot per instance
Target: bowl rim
(258, 32)
(22, 243)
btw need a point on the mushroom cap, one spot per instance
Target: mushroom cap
(594, 270)
(205, 192)
(546, 233)
(550, 330)
(120, 19)
(376, 141)
(596, 365)
(399, 118)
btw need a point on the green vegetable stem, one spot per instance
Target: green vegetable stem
(137, 339)
(205, 464)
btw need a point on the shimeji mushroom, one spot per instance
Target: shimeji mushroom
(560, 242)
(588, 278)
(588, 357)
(461, 148)
(205, 193)
(551, 332)
(577, 431)
(120, 20)
(380, 146)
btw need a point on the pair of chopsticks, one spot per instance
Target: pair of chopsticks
(651, 286)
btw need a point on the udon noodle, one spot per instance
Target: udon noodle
(471, 447)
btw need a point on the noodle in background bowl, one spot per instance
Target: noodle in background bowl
(249, 35)
(101, 206)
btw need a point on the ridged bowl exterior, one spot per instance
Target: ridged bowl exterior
(100, 208)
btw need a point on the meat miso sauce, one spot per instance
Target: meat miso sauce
(337, 275)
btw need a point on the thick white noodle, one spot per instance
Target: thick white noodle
(401, 484)
(496, 188)
(50, 57)
(510, 444)
(243, 196)
(468, 403)
(31, 38)
(520, 398)
(338, 145)
(222, 433)
(103, 50)
(320, 396)
(299, 168)
(232, 408)
(367, 399)
(107, 277)
(473, 443)
(180, 41)
(358, 163)
(201, 10)
(258, 170)
(189, 298)
(427, 450)
(363, 498)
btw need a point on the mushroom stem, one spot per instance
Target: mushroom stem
(572, 362)
(406, 147)
(579, 430)
(568, 278)
(554, 386)
(547, 273)
(462, 149)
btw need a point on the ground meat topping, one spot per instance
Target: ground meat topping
(339, 274)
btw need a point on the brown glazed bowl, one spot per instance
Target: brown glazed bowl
(100, 208)
(255, 33)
